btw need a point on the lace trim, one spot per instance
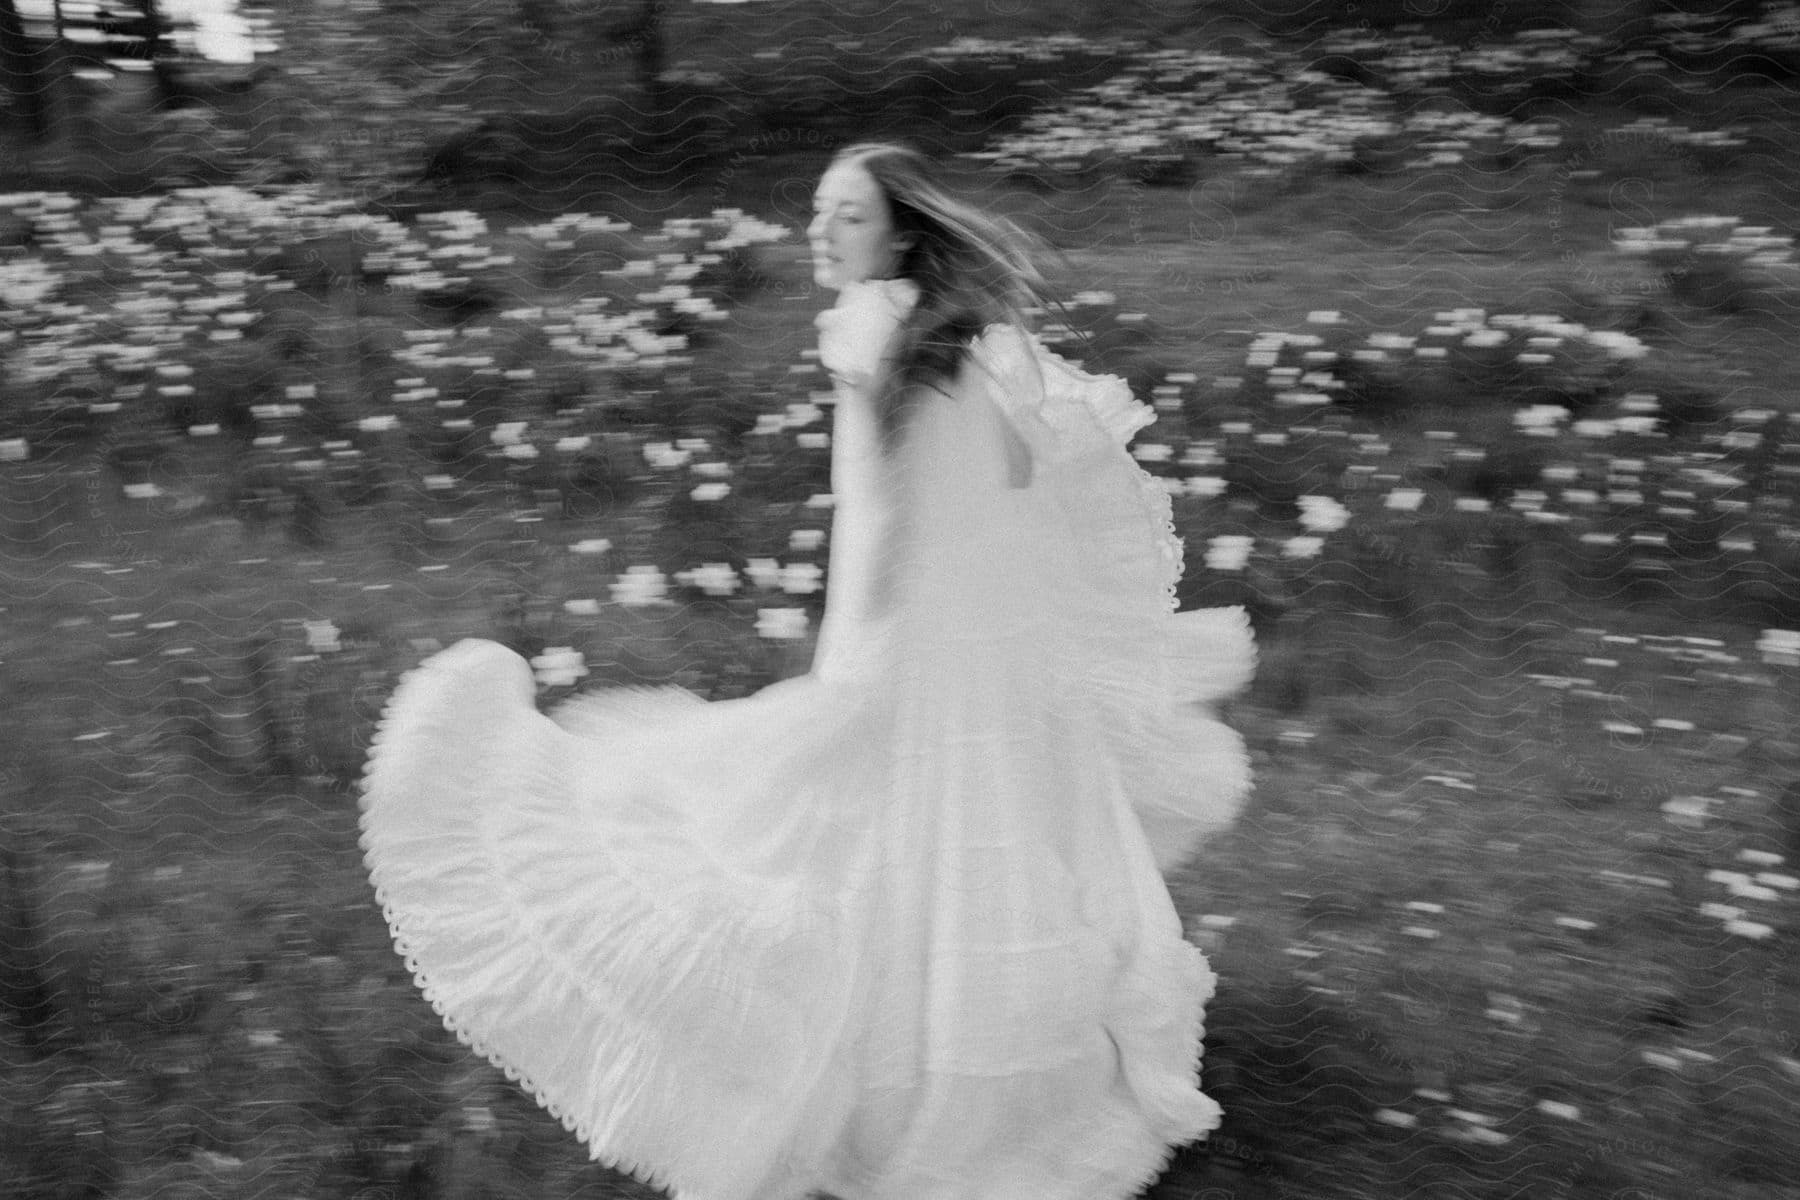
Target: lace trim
(396, 921)
(1109, 403)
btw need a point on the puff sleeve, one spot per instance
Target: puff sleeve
(855, 334)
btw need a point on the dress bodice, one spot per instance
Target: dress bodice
(853, 336)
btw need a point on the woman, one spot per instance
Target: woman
(894, 929)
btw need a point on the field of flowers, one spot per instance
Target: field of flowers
(1511, 914)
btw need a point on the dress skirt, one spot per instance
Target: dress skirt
(895, 929)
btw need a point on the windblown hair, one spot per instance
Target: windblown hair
(973, 270)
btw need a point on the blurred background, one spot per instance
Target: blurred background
(337, 330)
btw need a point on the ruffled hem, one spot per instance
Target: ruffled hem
(1070, 417)
(593, 986)
(695, 1033)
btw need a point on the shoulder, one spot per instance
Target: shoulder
(869, 302)
(854, 333)
(1064, 394)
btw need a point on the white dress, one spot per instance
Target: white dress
(895, 929)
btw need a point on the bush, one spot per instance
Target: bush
(1715, 262)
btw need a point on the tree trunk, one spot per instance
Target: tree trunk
(168, 82)
(22, 67)
(24, 959)
(643, 35)
(651, 57)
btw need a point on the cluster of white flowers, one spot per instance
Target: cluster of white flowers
(558, 666)
(640, 586)
(1541, 420)
(1229, 552)
(713, 578)
(1757, 245)
(665, 455)
(1763, 887)
(1780, 647)
(1322, 514)
(781, 623)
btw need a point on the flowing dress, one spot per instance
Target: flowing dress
(895, 929)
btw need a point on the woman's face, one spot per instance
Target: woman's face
(852, 230)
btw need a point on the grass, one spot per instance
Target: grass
(1459, 930)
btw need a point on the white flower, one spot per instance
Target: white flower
(1690, 811)
(1617, 345)
(763, 572)
(1302, 547)
(709, 492)
(1228, 552)
(806, 539)
(714, 578)
(1322, 514)
(559, 666)
(14, 450)
(378, 424)
(582, 607)
(321, 636)
(800, 579)
(640, 587)
(587, 545)
(781, 622)
(1405, 499)
(1780, 647)
(1540, 416)
(663, 455)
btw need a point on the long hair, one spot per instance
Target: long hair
(973, 269)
